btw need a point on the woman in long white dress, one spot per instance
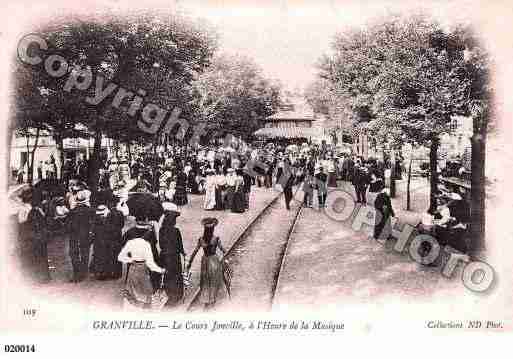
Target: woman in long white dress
(210, 190)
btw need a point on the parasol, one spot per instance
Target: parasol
(53, 187)
(142, 204)
(228, 149)
(16, 196)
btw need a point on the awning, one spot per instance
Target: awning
(289, 132)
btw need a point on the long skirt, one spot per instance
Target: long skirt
(332, 179)
(34, 257)
(138, 288)
(211, 278)
(105, 263)
(173, 279)
(180, 197)
(246, 199)
(238, 202)
(230, 192)
(210, 198)
(219, 199)
(193, 186)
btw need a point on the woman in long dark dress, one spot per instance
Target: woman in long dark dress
(238, 201)
(33, 238)
(171, 250)
(106, 230)
(220, 187)
(191, 181)
(180, 197)
(211, 276)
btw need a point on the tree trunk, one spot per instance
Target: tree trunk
(27, 141)
(392, 173)
(32, 155)
(478, 193)
(408, 196)
(433, 176)
(129, 151)
(94, 162)
(59, 143)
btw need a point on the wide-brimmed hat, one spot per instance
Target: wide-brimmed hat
(171, 207)
(455, 196)
(209, 222)
(102, 210)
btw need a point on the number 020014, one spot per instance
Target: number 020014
(28, 348)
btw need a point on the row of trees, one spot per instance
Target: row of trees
(402, 80)
(173, 59)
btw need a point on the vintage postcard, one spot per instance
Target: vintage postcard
(196, 168)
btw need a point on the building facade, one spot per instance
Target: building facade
(73, 148)
(295, 122)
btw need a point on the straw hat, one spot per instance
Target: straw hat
(171, 207)
(209, 222)
(454, 196)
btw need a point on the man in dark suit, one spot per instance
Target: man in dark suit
(79, 227)
(384, 210)
(321, 185)
(247, 187)
(349, 168)
(361, 180)
(285, 176)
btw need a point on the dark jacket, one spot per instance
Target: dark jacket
(361, 178)
(384, 205)
(321, 179)
(79, 223)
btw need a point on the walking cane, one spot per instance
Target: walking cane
(185, 287)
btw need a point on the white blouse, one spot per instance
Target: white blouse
(230, 180)
(140, 250)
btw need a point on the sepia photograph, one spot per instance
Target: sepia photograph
(340, 165)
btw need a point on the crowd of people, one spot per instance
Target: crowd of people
(153, 247)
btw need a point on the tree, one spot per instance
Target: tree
(233, 96)
(405, 77)
(324, 99)
(480, 108)
(30, 112)
(161, 56)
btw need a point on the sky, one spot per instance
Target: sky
(287, 38)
